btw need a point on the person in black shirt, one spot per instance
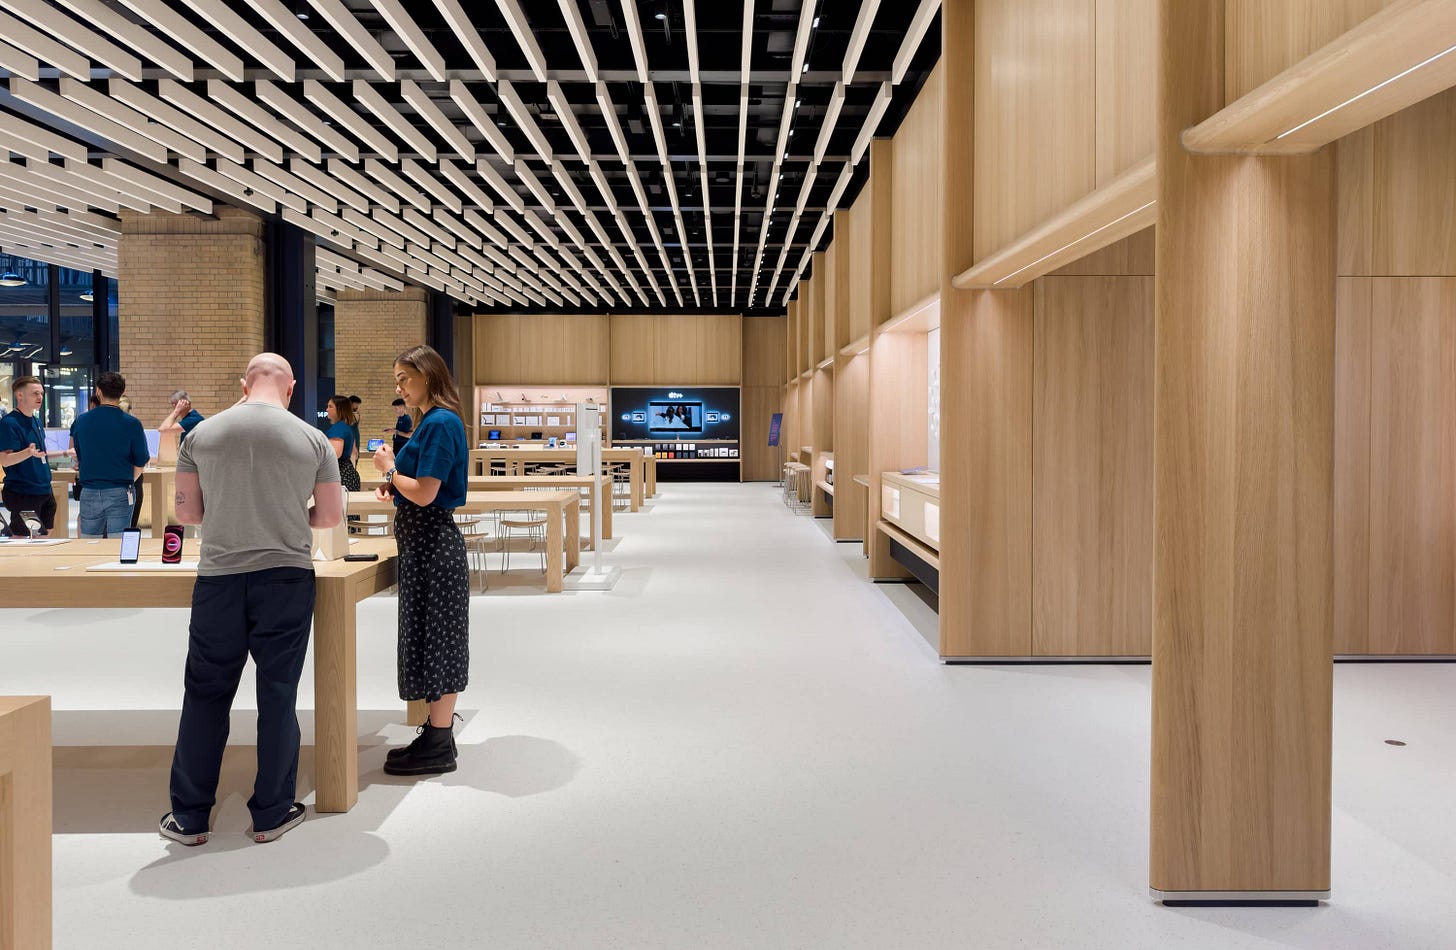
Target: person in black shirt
(403, 425)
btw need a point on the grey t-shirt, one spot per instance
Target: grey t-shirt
(258, 464)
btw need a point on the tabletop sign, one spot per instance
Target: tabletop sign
(773, 428)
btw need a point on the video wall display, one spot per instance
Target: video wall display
(672, 412)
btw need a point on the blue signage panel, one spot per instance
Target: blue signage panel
(773, 428)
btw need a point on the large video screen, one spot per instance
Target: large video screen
(702, 412)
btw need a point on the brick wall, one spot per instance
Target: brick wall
(371, 328)
(190, 307)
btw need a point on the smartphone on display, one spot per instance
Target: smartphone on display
(131, 545)
(172, 544)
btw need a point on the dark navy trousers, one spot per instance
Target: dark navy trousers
(266, 614)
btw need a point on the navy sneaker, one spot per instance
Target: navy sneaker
(290, 821)
(169, 828)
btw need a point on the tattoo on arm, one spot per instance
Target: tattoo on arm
(181, 499)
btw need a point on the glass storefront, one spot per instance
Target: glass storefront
(25, 324)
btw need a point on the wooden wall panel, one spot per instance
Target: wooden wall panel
(1035, 114)
(564, 348)
(823, 422)
(851, 445)
(861, 267)
(828, 332)
(1126, 45)
(1264, 38)
(789, 430)
(1092, 466)
(837, 330)
(916, 200)
(497, 349)
(763, 351)
(634, 349)
(897, 431)
(809, 309)
(759, 462)
(1412, 466)
(823, 278)
(699, 350)
(1352, 465)
(1133, 256)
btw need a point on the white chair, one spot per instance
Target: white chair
(526, 525)
(476, 530)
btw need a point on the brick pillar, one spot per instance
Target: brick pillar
(191, 307)
(371, 328)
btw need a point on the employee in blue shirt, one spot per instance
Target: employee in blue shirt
(427, 483)
(182, 416)
(111, 451)
(403, 424)
(27, 485)
(340, 432)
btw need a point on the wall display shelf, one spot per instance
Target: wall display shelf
(532, 414)
(912, 504)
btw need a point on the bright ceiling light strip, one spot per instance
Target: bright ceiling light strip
(90, 97)
(385, 175)
(344, 23)
(431, 113)
(1356, 98)
(468, 36)
(243, 35)
(924, 16)
(525, 36)
(857, 38)
(409, 31)
(157, 14)
(344, 114)
(572, 14)
(286, 21)
(1073, 243)
(162, 112)
(654, 118)
(259, 118)
(80, 37)
(478, 117)
(193, 104)
(44, 48)
(305, 120)
(524, 122)
(801, 39)
(62, 108)
(366, 93)
(134, 35)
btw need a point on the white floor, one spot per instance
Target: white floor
(744, 745)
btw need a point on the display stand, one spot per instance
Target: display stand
(589, 463)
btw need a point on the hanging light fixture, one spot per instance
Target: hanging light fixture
(12, 279)
(88, 296)
(66, 348)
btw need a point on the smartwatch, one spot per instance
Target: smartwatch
(389, 476)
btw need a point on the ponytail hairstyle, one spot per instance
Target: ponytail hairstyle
(440, 386)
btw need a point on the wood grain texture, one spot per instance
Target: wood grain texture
(1092, 465)
(497, 349)
(760, 463)
(811, 310)
(1133, 256)
(1412, 535)
(1244, 470)
(881, 192)
(1353, 362)
(829, 333)
(986, 472)
(916, 205)
(860, 262)
(763, 351)
(897, 431)
(789, 430)
(25, 822)
(336, 728)
(633, 348)
(1126, 36)
(1354, 197)
(565, 349)
(1035, 114)
(843, 266)
(702, 350)
(823, 418)
(791, 341)
(820, 302)
(1413, 200)
(851, 446)
(1263, 38)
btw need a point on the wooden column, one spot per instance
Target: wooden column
(25, 822)
(1243, 457)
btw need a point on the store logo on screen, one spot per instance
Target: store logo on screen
(674, 395)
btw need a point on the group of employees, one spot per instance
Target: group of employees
(257, 479)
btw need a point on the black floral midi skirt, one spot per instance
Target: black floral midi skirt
(434, 603)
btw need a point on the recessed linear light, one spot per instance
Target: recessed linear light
(1074, 242)
(1377, 86)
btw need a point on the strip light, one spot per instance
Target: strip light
(1381, 85)
(1073, 243)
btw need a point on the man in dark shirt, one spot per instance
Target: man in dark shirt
(23, 455)
(111, 451)
(403, 424)
(354, 403)
(183, 416)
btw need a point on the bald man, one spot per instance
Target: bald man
(246, 476)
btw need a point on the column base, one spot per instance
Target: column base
(1239, 898)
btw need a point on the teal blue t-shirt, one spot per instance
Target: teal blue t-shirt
(437, 450)
(342, 430)
(109, 443)
(33, 476)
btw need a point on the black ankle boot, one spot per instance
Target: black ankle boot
(435, 753)
(396, 754)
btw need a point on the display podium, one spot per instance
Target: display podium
(595, 576)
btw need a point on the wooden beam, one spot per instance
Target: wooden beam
(1123, 206)
(1403, 54)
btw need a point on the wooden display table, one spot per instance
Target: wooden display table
(56, 576)
(61, 481)
(25, 822)
(601, 492)
(160, 484)
(517, 459)
(560, 507)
